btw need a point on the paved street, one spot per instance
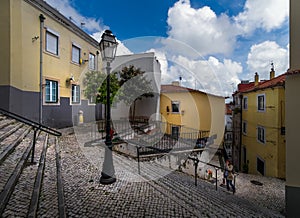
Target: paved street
(157, 192)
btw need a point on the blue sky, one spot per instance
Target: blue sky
(212, 44)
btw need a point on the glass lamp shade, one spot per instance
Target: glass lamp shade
(108, 46)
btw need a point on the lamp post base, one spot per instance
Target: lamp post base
(106, 179)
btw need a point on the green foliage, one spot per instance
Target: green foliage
(114, 87)
(95, 85)
(135, 83)
(92, 82)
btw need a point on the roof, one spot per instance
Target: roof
(44, 7)
(228, 109)
(276, 81)
(176, 89)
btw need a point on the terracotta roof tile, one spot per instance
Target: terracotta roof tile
(277, 81)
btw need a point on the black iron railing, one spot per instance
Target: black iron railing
(35, 125)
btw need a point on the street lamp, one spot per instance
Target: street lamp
(108, 48)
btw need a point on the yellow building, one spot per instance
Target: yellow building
(263, 126)
(40, 44)
(189, 108)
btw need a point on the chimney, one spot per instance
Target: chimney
(272, 72)
(175, 83)
(256, 78)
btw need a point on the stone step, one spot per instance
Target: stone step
(13, 162)
(30, 185)
(19, 201)
(9, 130)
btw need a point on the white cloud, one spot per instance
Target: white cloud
(201, 28)
(65, 8)
(211, 76)
(121, 49)
(264, 14)
(261, 55)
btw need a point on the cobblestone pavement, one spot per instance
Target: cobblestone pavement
(157, 191)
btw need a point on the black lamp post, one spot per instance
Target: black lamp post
(108, 48)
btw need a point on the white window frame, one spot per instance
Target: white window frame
(244, 124)
(75, 98)
(245, 106)
(261, 134)
(48, 48)
(53, 91)
(76, 57)
(90, 102)
(178, 106)
(264, 103)
(92, 61)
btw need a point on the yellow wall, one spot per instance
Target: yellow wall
(4, 42)
(198, 111)
(273, 151)
(25, 54)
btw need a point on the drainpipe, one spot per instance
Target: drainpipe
(42, 18)
(241, 130)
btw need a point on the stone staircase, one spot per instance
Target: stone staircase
(30, 178)
(60, 181)
(202, 200)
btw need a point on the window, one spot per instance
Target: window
(261, 134)
(92, 100)
(175, 107)
(51, 91)
(51, 42)
(244, 127)
(245, 103)
(260, 165)
(75, 54)
(92, 65)
(261, 102)
(75, 94)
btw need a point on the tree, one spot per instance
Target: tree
(95, 86)
(92, 82)
(114, 87)
(130, 77)
(136, 83)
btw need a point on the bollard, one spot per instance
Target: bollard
(80, 117)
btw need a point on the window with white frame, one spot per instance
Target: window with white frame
(75, 94)
(92, 65)
(51, 44)
(261, 134)
(245, 103)
(261, 102)
(260, 165)
(75, 54)
(244, 127)
(175, 106)
(92, 99)
(51, 91)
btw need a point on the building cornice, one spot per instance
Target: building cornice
(58, 17)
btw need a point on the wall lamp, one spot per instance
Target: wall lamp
(68, 80)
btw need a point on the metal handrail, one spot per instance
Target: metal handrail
(35, 125)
